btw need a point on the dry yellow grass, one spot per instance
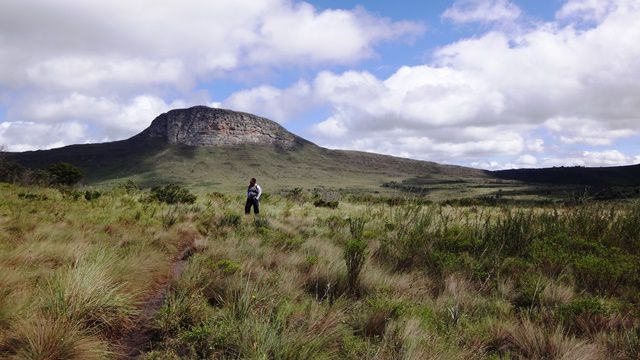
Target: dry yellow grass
(438, 282)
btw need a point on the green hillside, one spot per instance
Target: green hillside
(211, 149)
(226, 168)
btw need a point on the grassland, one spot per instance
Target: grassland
(383, 277)
(152, 162)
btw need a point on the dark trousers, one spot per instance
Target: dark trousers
(252, 202)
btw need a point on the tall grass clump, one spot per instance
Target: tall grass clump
(409, 236)
(49, 338)
(526, 340)
(87, 295)
(356, 226)
(355, 255)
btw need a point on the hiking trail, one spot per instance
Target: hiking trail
(137, 341)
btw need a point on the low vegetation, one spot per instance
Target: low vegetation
(372, 278)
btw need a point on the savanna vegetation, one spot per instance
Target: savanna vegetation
(315, 276)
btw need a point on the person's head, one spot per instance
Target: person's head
(253, 181)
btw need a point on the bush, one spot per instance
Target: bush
(10, 171)
(227, 266)
(410, 236)
(261, 223)
(65, 174)
(92, 195)
(33, 197)
(355, 253)
(296, 194)
(356, 227)
(231, 220)
(130, 186)
(327, 204)
(173, 194)
(583, 306)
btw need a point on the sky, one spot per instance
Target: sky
(492, 84)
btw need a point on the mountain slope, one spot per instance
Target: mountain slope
(603, 176)
(221, 149)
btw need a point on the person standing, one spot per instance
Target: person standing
(253, 197)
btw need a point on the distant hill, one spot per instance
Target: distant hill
(599, 177)
(219, 149)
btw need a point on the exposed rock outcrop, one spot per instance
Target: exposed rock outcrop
(204, 126)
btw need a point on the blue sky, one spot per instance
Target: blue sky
(491, 83)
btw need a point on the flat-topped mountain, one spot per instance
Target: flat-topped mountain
(204, 126)
(220, 149)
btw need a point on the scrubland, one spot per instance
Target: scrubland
(373, 278)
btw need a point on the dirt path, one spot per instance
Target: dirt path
(137, 341)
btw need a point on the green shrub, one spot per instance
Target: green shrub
(356, 226)
(281, 240)
(328, 204)
(170, 216)
(311, 260)
(69, 193)
(605, 274)
(230, 219)
(355, 254)
(64, 174)
(32, 197)
(529, 290)
(199, 340)
(377, 314)
(181, 310)
(410, 236)
(10, 171)
(261, 222)
(335, 224)
(583, 306)
(626, 229)
(512, 233)
(296, 194)
(92, 195)
(130, 186)
(173, 194)
(227, 266)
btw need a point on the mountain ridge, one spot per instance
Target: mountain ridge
(205, 126)
(207, 147)
(202, 146)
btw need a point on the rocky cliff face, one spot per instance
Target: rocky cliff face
(204, 126)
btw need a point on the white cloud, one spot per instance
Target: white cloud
(592, 158)
(588, 10)
(330, 36)
(331, 128)
(83, 45)
(492, 96)
(111, 120)
(482, 96)
(527, 160)
(535, 145)
(586, 131)
(279, 105)
(115, 65)
(483, 11)
(24, 136)
(605, 158)
(91, 73)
